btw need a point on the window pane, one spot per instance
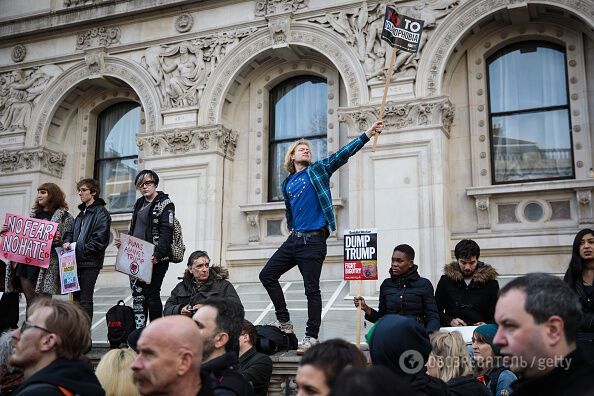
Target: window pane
(532, 146)
(527, 76)
(117, 130)
(299, 107)
(116, 178)
(277, 158)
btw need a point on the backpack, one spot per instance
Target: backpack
(120, 323)
(272, 340)
(177, 247)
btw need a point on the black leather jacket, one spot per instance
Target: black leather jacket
(91, 232)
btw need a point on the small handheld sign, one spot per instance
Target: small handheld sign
(360, 262)
(68, 274)
(135, 258)
(28, 240)
(400, 32)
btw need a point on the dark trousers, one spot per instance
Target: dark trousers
(87, 277)
(308, 254)
(146, 298)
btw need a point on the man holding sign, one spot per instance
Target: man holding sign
(310, 219)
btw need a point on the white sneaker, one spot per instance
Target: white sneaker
(285, 327)
(306, 343)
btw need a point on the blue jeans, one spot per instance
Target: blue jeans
(308, 254)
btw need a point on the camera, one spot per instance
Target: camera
(191, 309)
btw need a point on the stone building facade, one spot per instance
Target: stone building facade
(92, 88)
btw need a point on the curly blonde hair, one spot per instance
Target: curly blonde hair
(289, 163)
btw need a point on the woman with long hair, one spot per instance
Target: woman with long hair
(489, 368)
(114, 373)
(450, 362)
(579, 276)
(50, 204)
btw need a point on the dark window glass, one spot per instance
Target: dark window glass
(298, 109)
(529, 113)
(117, 154)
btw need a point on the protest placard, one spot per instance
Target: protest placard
(360, 254)
(28, 240)
(68, 275)
(135, 258)
(402, 32)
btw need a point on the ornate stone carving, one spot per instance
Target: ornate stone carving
(271, 7)
(361, 28)
(482, 212)
(253, 219)
(180, 71)
(19, 91)
(18, 53)
(184, 23)
(75, 3)
(212, 138)
(95, 60)
(98, 37)
(280, 27)
(403, 115)
(585, 208)
(39, 159)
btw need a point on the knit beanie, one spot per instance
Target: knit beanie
(488, 331)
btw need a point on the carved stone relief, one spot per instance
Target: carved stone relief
(39, 159)
(180, 71)
(184, 23)
(271, 7)
(585, 207)
(254, 223)
(280, 27)
(19, 91)
(482, 212)
(98, 37)
(362, 27)
(18, 53)
(95, 60)
(403, 115)
(75, 3)
(212, 138)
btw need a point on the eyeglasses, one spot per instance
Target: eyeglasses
(146, 184)
(28, 325)
(82, 190)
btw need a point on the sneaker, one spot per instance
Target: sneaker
(306, 343)
(285, 327)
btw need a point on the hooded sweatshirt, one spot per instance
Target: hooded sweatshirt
(74, 375)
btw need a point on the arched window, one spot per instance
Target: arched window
(116, 155)
(298, 109)
(529, 113)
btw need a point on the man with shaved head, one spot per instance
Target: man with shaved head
(169, 358)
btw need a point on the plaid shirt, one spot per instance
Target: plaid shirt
(319, 174)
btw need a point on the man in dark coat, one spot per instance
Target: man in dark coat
(256, 367)
(219, 321)
(48, 347)
(91, 234)
(539, 317)
(466, 294)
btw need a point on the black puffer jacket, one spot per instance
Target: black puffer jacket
(467, 386)
(91, 232)
(408, 295)
(188, 291)
(472, 303)
(160, 232)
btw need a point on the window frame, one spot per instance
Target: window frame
(510, 47)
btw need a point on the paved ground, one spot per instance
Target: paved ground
(338, 313)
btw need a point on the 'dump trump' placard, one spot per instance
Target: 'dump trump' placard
(28, 240)
(360, 254)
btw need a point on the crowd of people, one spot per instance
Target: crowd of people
(534, 336)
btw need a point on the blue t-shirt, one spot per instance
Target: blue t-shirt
(305, 206)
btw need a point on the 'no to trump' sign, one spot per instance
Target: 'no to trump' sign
(28, 240)
(360, 254)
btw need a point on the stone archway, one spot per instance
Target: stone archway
(462, 19)
(334, 48)
(133, 75)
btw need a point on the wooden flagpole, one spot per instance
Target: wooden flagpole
(383, 106)
(359, 286)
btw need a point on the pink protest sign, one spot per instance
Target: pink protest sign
(28, 240)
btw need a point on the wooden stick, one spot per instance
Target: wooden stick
(383, 106)
(359, 315)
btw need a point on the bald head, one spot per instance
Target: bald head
(169, 356)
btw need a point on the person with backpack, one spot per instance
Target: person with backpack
(200, 281)
(488, 362)
(256, 367)
(153, 221)
(91, 234)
